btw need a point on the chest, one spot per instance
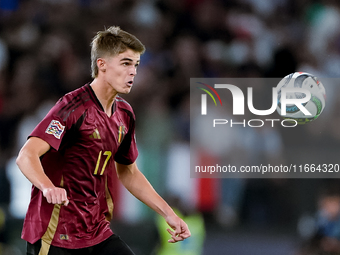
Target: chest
(102, 132)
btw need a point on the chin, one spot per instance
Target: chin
(125, 91)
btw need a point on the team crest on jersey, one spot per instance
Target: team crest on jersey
(121, 133)
(55, 128)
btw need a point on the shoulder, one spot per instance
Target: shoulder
(76, 96)
(123, 105)
(72, 103)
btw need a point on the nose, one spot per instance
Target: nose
(133, 71)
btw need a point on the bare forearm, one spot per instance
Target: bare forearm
(139, 186)
(29, 163)
(31, 167)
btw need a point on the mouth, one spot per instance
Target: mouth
(129, 83)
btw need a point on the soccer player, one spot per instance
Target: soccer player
(74, 153)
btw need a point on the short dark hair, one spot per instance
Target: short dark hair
(112, 41)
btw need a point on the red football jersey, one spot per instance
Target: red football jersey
(85, 143)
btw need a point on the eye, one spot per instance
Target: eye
(126, 63)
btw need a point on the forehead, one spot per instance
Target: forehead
(128, 55)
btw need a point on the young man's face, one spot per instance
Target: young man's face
(120, 70)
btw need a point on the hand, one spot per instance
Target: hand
(181, 230)
(56, 195)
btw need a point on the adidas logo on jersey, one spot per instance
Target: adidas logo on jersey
(64, 237)
(95, 134)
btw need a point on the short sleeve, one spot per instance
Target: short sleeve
(55, 124)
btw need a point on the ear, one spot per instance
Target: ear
(101, 63)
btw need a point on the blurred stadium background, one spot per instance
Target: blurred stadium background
(44, 53)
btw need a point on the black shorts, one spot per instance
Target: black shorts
(114, 245)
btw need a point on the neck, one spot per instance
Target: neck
(105, 94)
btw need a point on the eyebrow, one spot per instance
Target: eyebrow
(129, 59)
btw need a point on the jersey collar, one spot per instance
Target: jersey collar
(96, 100)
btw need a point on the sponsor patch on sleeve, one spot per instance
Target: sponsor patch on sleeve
(55, 128)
